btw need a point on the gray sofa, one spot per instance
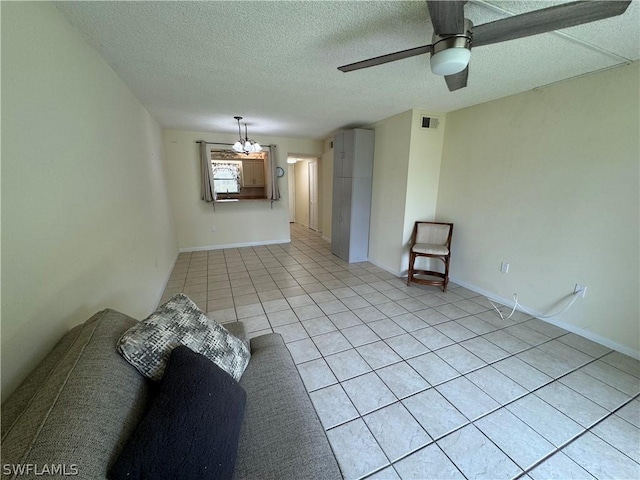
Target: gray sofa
(79, 406)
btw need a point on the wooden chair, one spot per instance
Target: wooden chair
(430, 240)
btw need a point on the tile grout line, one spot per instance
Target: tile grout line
(580, 434)
(472, 422)
(434, 386)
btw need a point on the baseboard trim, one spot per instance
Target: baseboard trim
(386, 269)
(589, 335)
(233, 245)
(326, 239)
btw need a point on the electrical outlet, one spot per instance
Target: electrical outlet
(213, 228)
(504, 267)
(581, 290)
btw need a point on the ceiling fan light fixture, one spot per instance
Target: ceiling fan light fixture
(450, 61)
(451, 53)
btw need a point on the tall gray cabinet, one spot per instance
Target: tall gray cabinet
(352, 181)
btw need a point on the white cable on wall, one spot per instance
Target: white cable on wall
(500, 313)
(575, 296)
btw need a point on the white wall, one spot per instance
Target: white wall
(240, 223)
(548, 180)
(86, 222)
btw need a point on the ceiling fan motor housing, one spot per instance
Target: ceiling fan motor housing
(451, 52)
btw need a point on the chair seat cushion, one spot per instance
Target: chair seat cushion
(430, 249)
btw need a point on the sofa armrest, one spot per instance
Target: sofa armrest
(238, 329)
(82, 409)
(281, 436)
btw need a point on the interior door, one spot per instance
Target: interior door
(313, 195)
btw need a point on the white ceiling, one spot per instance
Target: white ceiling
(194, 65)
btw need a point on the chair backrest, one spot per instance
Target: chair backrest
(434, 233)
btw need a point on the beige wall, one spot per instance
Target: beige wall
(86, 222)
(423, 175)
(236, 224)
(548, 180)
(390, 167)
(406, 170)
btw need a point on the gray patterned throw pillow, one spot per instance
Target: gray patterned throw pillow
(148, 345)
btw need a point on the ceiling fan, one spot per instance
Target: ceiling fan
(454, 35)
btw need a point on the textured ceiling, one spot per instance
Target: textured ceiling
(194, 65)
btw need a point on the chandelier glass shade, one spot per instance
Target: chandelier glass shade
(245, 145)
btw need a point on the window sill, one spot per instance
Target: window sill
(236, 200)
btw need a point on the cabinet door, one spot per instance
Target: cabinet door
(345, 217)
(247, 173)
(258, 173)
(335, 216)
(338, 154)
(252, 173)
(348, 146)
(363, 154)
(360, 219)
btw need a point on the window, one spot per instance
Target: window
(226, 177)
(237, 176)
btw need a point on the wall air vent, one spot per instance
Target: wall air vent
(430, 122)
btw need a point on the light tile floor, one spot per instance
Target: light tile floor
(413, 383)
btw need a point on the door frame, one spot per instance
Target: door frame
(291, 181)
(313, 195)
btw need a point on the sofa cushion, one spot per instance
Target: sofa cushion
(82, 411)
(147, 345)
(281, 437)
(191, 428)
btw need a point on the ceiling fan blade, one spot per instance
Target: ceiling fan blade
(546, 20)
(390, 57)
(457, 80)
(447, 17)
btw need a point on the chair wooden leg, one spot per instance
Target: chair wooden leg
(446, 274)
(412, 258)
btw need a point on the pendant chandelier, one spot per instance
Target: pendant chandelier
(245, 145)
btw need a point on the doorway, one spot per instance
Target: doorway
(304, 194)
